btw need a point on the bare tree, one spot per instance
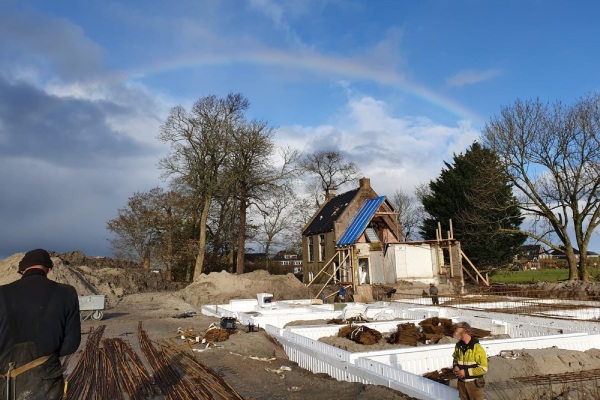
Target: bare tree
(330, 170)
(410, 213)
(552, 156)
(200, 149)
(275, 214)
(303, 210)
(254, 174)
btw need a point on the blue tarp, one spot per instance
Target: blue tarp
(359, 224)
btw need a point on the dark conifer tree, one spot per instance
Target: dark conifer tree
(475, 194)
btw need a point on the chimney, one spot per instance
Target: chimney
(365, 183)
(330, 194)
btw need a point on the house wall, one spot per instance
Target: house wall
(377, 268)
(410, 262)
(312, 268)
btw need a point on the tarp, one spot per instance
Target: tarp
(360, 222)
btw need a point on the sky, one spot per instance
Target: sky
(397, 87)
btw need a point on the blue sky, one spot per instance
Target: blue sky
(396, 86)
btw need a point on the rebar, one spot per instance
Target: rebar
(82, 380)
(111, 369)
(130, 370)
(205, 380)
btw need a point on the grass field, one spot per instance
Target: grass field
(542, 275)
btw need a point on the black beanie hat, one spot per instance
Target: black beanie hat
(35, 257)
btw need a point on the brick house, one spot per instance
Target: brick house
(346, 240)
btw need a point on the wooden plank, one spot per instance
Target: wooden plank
(476, 270)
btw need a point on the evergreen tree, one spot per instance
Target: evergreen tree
(475, 194)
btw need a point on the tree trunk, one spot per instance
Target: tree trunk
(583, 249)
(241, 245)
(169, 266)
(146, 262)
(202, 239)
(572, 262)
(583, 272)
(230, 260)
(267, 255)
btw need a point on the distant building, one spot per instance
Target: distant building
(530, 255)
(287, 261)
(292, 262)
(561, 254)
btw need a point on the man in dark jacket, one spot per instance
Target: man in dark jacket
(44, 314)
(433, 292)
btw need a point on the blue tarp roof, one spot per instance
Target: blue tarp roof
(359, 223)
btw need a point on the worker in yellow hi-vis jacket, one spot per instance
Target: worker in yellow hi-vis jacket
(469, 362)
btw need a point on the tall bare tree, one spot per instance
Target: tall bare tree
(552, 156)
(330, 171)
(254, 174)
(275, 214)
(410, 213)
(200, 149)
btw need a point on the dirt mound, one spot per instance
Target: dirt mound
(76, 258)
(113, 282)
(220, 287)
(9, 267)
(60, 273)
(214, 288)
(118, 282)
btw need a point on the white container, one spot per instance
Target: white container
(93, 302)
(264, 299)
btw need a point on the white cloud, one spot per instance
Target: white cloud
(269, 8)
(395, 152)
(470, 77)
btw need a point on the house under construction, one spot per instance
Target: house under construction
(355, 239)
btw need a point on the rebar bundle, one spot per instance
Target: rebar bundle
(206, 381)
(111, 369)
(83, 381)
(132, 374)
(551, 379)
(179, 376)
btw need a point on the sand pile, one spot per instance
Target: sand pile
(220, 287)
(114, 283)
(60, 273)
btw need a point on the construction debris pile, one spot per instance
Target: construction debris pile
(426, 332)
(360, 334)
(442, 376)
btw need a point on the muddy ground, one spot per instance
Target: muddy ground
(250, 362)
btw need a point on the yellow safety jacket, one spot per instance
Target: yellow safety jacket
(470, 357)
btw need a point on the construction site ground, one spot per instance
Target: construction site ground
(255, 366)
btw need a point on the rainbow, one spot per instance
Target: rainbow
(344, 67)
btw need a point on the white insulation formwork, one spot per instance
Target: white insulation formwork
(341, 365)
(249, 311)
(401, 368)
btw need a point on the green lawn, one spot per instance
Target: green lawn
(542, 275)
